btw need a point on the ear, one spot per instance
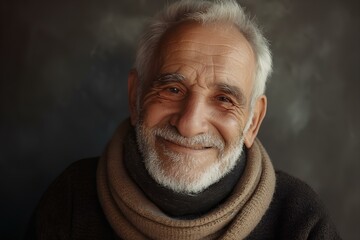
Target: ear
(259, 114)
(133, 83)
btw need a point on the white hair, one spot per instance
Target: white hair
(205, 12)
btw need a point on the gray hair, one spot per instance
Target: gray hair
(205, 12)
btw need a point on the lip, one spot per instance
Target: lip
(182, 148)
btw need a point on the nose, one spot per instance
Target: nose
(191, 119)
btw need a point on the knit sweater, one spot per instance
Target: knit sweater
(70, 209)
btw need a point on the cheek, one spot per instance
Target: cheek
(156, 111)
(229, 127)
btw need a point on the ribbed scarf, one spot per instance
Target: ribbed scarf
(133, 216)
(178, 205)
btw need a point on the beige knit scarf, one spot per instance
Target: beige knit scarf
(133, 216)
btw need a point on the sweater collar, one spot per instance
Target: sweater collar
(174, 204)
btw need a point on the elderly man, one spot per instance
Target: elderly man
(187, 165)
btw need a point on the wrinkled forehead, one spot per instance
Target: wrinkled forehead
(214, 39)
(220, 48)
(221, 33)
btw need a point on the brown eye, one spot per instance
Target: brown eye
(173, 93)
(224, 99)
(173, 90)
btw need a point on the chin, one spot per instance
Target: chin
(183, 175)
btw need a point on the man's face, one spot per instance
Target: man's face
(193, 113)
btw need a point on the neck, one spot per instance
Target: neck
(178, 205)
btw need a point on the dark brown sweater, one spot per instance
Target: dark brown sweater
(70, 210)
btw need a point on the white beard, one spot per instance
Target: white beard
(183, 179)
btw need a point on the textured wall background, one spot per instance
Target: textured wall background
(63, 83)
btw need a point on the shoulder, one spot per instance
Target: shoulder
(77, 178)
(86, 166)
(302, 211)
(296, 212)
(293, 190)
(70, 205)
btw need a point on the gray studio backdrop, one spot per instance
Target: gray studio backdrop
(64, 68)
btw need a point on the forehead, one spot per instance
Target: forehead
(211, 52)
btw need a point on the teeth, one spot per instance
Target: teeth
(190, 146)
(195, 147)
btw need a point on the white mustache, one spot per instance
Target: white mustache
(204, 140)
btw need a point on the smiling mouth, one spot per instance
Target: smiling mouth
(182, 147)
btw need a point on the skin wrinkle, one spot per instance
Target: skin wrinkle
(231, 48)
(196, 71)
(212, 83)
(225, 53)
(229, 89)
(235, 91)
(210, 55)
(235, 59)
(170, 77)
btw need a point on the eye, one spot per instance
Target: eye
(173, 90)
(224, 99)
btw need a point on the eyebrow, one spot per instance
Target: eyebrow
(170, 77)
(226, 88)
(234, 91)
